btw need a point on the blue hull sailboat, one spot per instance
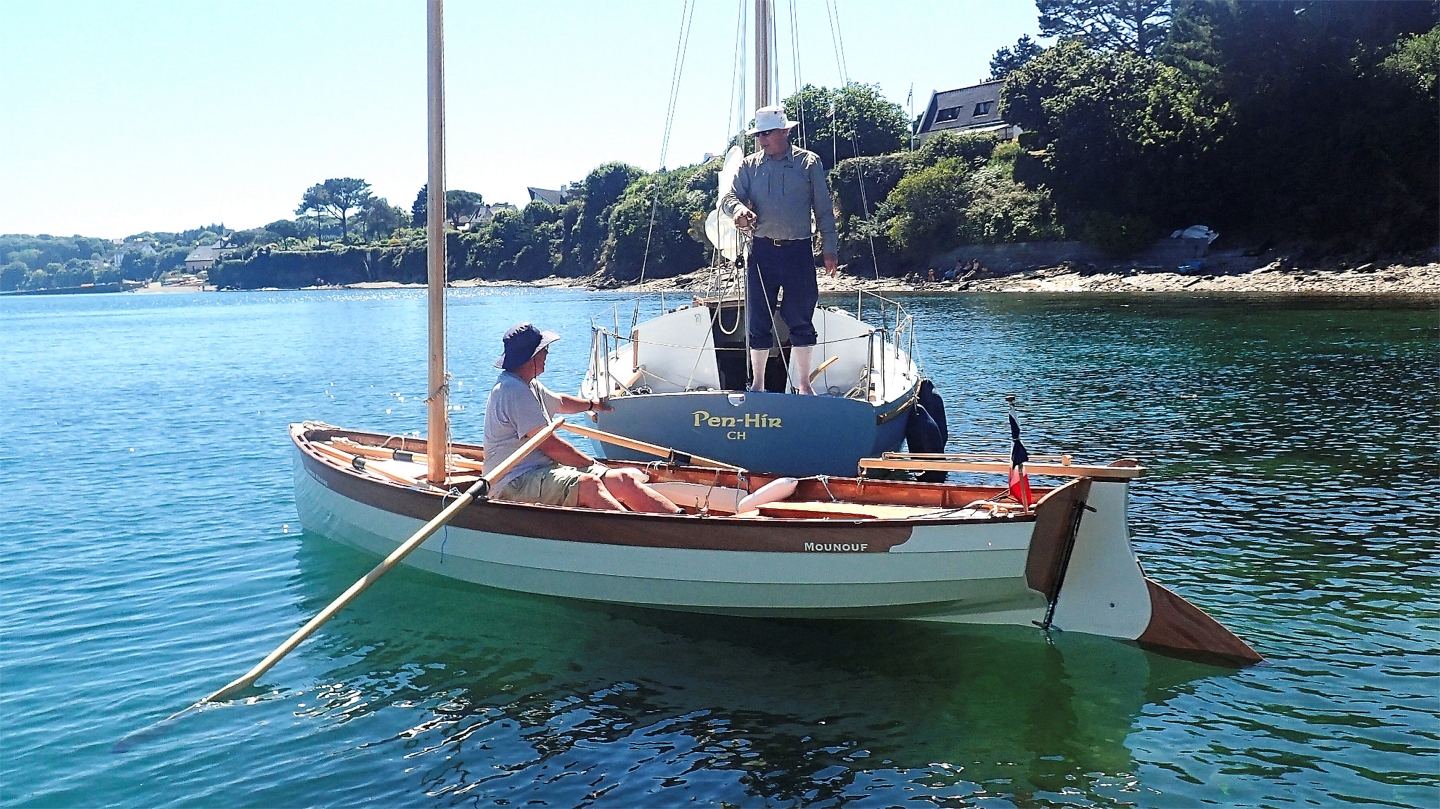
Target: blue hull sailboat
(680, 379)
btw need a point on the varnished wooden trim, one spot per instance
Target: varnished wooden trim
(612, 528)
(1177, 625)
(1053, 537)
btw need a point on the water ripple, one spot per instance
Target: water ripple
(149, 552)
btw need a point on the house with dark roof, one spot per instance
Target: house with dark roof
(204, 256)
(968, 109)
(556, 198)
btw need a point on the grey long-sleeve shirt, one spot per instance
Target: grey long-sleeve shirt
(782, 192)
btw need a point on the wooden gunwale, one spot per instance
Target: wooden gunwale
(649, 530)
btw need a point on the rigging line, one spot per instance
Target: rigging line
(682, 45)
(737, 77)
(795, 67)
(839, 40)
(739, 109)
(835, 43)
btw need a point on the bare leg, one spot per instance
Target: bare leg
(759, 358)
(593, 494)
(625, 486)
(800, 357)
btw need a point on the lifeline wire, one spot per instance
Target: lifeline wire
(681, 46)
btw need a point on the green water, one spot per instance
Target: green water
(151, 553)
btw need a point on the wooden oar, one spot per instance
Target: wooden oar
(416, 540)
(479, 489)
(673, 455)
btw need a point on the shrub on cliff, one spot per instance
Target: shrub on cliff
(973, 148)
(598, 194)
(925, 212)
(651, 227)
(512, 245)
(1115, 132)
(1000, 209)
(860, 184)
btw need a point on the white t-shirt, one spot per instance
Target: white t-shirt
(515, 409)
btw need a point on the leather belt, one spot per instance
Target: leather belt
(783, 242)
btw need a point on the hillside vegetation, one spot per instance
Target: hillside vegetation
(1314, 125)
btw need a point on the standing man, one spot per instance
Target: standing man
(775, 194)
(556, 473)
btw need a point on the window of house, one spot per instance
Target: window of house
(947, 114)
(983, 108)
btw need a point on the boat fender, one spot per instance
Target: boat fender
(922, 435)
(777, 489)
(935, 406)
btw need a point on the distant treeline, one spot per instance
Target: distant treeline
(45, 261)
(1310, 125)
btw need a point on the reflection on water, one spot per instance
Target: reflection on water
(724, 708)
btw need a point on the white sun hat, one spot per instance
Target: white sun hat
(768, 118)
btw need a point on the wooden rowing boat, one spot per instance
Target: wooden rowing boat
(852, 548)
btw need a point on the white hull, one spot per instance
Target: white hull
(903, 551)
(953, 573)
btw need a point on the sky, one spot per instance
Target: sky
(118, 118)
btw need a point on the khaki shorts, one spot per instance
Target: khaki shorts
(553, 485)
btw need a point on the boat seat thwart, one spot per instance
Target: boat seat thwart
(771, 500)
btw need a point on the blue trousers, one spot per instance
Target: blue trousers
(790, 267)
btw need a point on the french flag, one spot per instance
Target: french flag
(1019, 481)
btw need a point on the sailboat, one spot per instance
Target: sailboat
(749, 542)
(681, 379)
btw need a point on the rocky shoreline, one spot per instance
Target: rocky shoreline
(1274, 278)
(1277, 277)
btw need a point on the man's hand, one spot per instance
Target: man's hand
(832, 263)
(602, 406)
(744, 219)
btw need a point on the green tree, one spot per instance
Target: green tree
(380, 219)
(1115, 132)
(30, 257)
(852, 121)
(1326, 143)
(337, 196)
(462, 204)
(1132, 25)
(510, 246)
(926, 211)
(12, 275)
(1416, 61)
(1007, 59)
(652, 226)
(419, 208)
(284, 228)
(599, 192)
(39, 279)
(1000, 209)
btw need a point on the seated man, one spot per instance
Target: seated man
(556, 473)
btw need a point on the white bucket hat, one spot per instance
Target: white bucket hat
(768, 118)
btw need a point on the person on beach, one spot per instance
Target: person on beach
(556, 473)
(778, 194)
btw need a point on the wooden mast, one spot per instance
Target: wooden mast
(438, 422)
(764, 51)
